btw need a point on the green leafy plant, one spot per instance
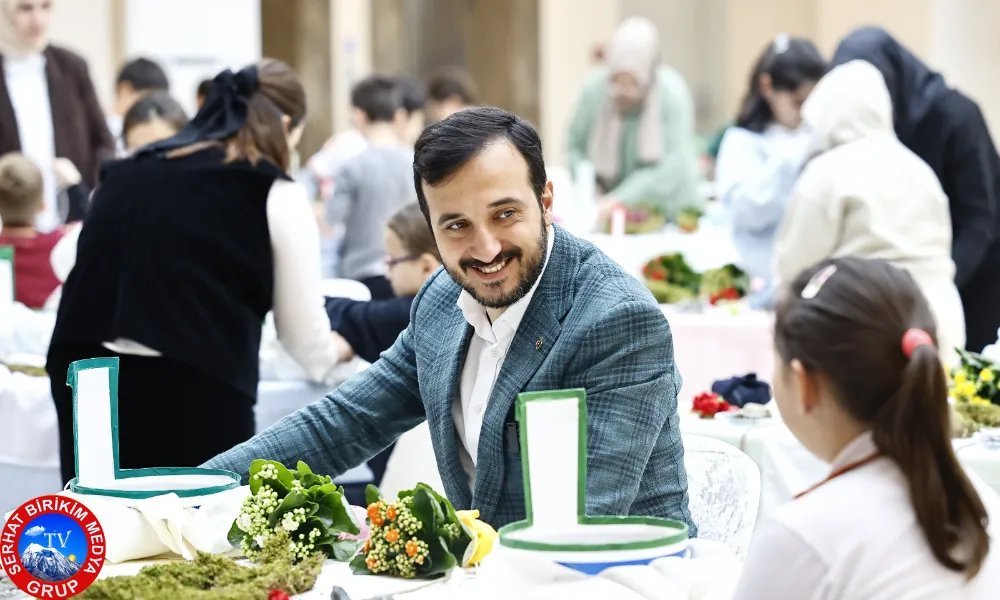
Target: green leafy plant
(214, 577)
(670, 279)
(687, 219)
(418, 535)
(728, 282)
(308, 507)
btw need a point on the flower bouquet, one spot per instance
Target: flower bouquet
(707, 404)
(641, 218)
(307, 507)
(973, 390)
(727, 283)
(420, 535)
(687, 219)
(671, 279)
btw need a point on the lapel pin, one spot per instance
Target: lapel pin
(538, 344)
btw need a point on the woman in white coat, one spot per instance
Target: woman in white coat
(867, 195)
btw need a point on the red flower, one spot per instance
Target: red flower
(278, 595)
(730, 293)
(707, 405)
(656, 275)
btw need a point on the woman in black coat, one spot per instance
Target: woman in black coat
(947, 130)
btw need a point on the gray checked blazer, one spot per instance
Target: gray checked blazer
(601, 330)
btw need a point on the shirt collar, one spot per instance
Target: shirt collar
(475, 313)
(857, 449)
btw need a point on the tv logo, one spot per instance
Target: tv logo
(52, 547)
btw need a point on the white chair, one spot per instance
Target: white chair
(345, 288)
(724, 491)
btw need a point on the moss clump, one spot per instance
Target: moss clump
(213, 577)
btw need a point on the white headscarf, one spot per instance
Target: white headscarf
(11, 44)
(635, 49)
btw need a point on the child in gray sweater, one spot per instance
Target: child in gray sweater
(369, 187)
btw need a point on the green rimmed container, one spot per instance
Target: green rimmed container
(557, 530)
(95, 444)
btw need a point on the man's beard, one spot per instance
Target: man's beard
(530, 268)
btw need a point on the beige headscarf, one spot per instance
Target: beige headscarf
(11, 44)
(634, 48)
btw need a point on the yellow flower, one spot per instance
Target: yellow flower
(986, 375)
(484, 538)
(959, 378)
(979, 400)
(967, 389)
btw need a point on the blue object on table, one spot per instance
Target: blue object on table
(740, 391)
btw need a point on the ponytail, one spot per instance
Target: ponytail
(912, 430)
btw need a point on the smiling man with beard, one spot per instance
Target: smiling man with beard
(521, 305)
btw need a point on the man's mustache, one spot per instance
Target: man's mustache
(504, 255)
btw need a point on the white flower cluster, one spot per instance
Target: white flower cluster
(304, 545)
(253, 519)
(256, 510)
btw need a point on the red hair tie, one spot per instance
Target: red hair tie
(914, 338)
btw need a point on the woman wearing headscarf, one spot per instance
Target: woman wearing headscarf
(635, 123)
(947, 130)
(48, 107)
(187, 246)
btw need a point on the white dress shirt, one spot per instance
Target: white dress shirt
(855, 537)
(483, 361)
(28, 89)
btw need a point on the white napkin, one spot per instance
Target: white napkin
(711, 573)
(162, 525)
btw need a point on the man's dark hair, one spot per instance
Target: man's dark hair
(451, 82)
(379, 97)
(143, 74)
(444, 147)
(413, 97)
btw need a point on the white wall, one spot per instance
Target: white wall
(964, 44)
(86, 27)
(191, 49)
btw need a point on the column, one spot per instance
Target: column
(291, 30)
(570, 30)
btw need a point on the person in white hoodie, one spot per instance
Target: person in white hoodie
(867, 195)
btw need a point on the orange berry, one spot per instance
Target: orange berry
(392, 535)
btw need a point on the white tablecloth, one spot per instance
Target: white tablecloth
(717, 345)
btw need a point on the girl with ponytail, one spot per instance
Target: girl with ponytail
(859, 382)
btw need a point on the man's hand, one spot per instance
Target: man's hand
(67, 175)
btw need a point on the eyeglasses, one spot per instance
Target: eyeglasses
(392, 262)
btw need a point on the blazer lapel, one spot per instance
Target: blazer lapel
(10, 139)
(439, 395)
(536, 335)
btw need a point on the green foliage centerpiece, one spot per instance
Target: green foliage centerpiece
(974, 390)
(308, 507)
(418, 535)
(671, 279)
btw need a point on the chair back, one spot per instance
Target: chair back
(724, 491)
(345, 288)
